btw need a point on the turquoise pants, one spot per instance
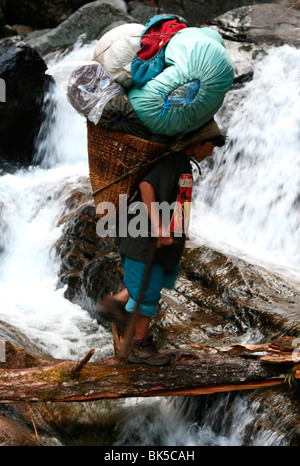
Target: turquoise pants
(159, 278)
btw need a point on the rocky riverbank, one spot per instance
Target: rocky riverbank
(219, 298)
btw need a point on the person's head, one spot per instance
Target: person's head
(201, 142)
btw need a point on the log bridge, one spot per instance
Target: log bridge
(30, 378)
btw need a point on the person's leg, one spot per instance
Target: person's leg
(118, 308)
(133, 280)
(142, 348)
(159, 278)
(123, 295)
(141, 327)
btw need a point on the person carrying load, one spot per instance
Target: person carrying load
(143, 88)
(168, 182)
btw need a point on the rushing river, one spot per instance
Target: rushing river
(250, 199)
(249, 203)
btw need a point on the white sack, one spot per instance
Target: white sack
(116, 49)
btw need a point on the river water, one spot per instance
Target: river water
(248, 199)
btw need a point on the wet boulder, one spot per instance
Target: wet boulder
(221, 299)
(12, 433)
(90, 266)
(23, 425)
(142, 11)
(198, 12)
(40, 13)
(265, 23)
(86, 23)
(250, 31)
(23, 86)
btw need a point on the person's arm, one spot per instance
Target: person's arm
(164, 237)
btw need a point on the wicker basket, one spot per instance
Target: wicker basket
(117, 162)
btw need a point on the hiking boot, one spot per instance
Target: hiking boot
(145, 352)
(113, 310)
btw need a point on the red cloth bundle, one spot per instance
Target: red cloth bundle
(157, 37)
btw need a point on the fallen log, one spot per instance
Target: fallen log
(47, 379)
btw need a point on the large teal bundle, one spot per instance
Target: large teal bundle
(190, 90)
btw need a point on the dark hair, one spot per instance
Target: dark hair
(218, 141)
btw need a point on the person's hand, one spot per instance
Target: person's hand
(164, 237)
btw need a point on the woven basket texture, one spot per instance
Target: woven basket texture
(111, 156)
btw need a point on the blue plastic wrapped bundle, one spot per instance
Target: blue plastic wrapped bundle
(191, 89)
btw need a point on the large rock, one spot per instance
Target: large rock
(244, 56)
(142, 12)
(88, 21)
(250, 31)
(265, 23)
(44, 14)
(13, 433)
(21, 425)
(221, 299)
(90, 265)
(197, 12)
(24, 83)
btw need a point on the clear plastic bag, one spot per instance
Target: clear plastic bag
(87, 85)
